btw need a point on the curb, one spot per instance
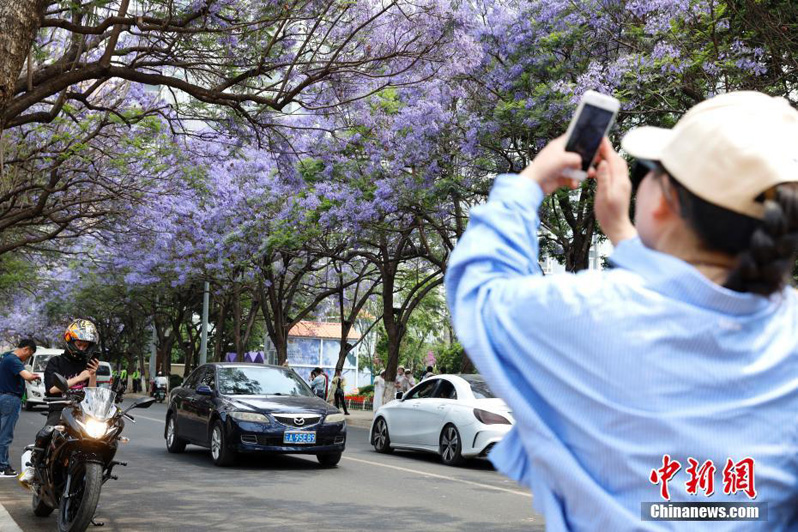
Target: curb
(7, 523)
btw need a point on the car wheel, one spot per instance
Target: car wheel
(380, 438)
(221, 452)
(174, 443)
(329, 459)
(451, 446)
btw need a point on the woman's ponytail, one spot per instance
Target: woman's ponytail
(765, 267)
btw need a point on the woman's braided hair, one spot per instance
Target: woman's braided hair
(765, 249)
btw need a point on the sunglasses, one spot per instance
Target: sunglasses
(640, 170)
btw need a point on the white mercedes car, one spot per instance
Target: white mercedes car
(456, 416)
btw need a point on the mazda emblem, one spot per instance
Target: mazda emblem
(299, 421)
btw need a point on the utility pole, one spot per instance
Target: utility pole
(153, 351)
(203, 355)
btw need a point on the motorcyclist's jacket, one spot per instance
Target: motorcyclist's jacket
(68, 368)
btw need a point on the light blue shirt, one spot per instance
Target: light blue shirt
(607, 371)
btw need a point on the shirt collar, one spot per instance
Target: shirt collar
(675, 278)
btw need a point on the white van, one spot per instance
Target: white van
(104, 375)
(37, 364)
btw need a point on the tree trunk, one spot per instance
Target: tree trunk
(281, 347)
(19, 21)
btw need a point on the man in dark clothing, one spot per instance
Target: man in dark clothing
(12, 385)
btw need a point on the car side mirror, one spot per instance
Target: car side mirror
(204, 389)
(60, 382)
(399, 395)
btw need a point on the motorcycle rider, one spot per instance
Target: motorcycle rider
(160, 382)
(77, 363)
(78, 366)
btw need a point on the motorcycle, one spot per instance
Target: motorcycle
(159, 394)
(77, 455)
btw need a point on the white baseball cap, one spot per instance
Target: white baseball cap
(729, 150)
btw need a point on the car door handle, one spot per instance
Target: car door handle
(441, 407)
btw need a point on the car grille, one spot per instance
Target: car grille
(297, 420)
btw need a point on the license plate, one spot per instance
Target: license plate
(299, 437)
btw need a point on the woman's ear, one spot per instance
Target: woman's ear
(666, 201)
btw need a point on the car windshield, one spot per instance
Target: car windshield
(479, 387)
(253, 380)
(103, 370)
(40, 362)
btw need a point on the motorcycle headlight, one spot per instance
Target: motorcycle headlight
(252, 417)
(95, 429)
(334, 418)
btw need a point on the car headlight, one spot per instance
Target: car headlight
(489, 418)
(334, 418)
(249, 416)
(95, 429)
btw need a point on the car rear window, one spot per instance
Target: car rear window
(261, 381)
(479, 387)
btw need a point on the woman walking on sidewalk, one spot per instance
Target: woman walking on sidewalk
(337, 391)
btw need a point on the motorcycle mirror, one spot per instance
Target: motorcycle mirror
(144, 402)
(60, 382)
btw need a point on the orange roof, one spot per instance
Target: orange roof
(320, 329)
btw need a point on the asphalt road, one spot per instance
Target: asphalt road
(367, 491)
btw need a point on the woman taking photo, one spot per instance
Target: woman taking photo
(673, 376)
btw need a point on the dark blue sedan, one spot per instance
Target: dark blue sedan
(243, 408)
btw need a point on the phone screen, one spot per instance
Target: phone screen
(586, 136)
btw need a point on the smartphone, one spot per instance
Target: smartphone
(591, 122)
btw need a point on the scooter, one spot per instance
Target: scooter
(77, 455)
(160, 394)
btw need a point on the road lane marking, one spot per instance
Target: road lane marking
(443, 477)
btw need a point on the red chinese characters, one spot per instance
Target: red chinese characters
(701, 477)
(739, 477)
(664, 474)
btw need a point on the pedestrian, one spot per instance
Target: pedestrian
(12, 385)
(318, 383)
(400, 378)
(337, 391)
(408, 381)
(123, 379)
(136, 380)
(379, 391)
(684, 352)
(428, 373)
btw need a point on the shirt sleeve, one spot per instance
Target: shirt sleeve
(524, 332)
(18, 366)
(49, 371)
